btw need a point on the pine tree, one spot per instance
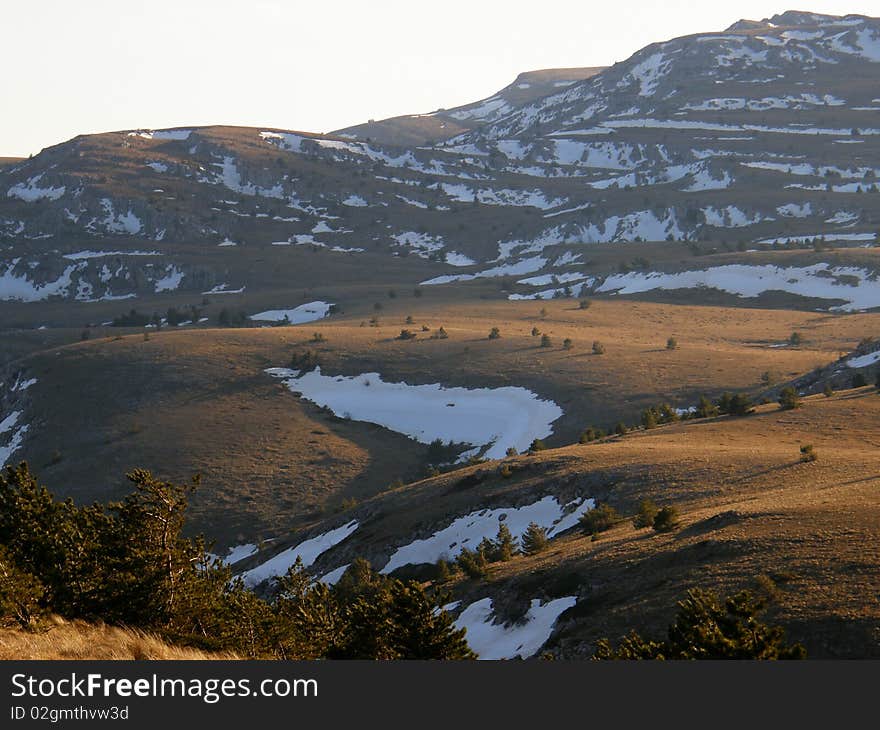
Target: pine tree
(708, 628)
(534, 539)
(666, 519)
(646, 514)
(789, 399)
(505, 544)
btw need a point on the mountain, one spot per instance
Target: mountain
(759, 135)
(385, 342)
(443, 124)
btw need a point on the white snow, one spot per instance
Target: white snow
(498, 418)
(163, 134)
(546, 279)
(171, 281)
(22, 385)
(223, 289)
(795, 210)
(286, 140)
(298, 315)
(82, 255)
(729, 217)
(7, 425)
(355, 201)
(649, 72)
(31, 191)
(239, 552)
(752, 281)
(308, 551)
(468, 531)
(332, 578)
(458, 259)
(496, 641)
(524, 266)
(843, 217)
(157, 166)
(120, 222)
(17, 287)
(864, 361)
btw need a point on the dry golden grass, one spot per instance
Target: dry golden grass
(198, 400)
(62, 639)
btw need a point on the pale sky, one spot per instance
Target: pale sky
(79, 66)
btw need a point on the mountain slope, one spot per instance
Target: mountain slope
(760, 136)
(428, 129)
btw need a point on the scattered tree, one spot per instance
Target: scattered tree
(598, 348)
(666, 519)
(708, 628)
(603, 517)
(646, 515)
(534, 539)
(789, 398)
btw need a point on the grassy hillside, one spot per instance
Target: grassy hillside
(752, 516)
(78, 640)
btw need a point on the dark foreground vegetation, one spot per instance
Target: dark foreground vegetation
(129, 564)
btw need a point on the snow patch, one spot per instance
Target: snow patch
(495, 418)
(298, 315)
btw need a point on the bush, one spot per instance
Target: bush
(735, 405)
(494, 333)
(409, 319)
(671, 344)
(705, 408)
(646, 515)
(808, 453)
(534, 539)
(591, 434)
(598, 348)
(584, 304)
(603, 517)
(543, 313)
(789, 398)
(440, 334)
(535, 331)
(318, 337)
(231, 318)
(567, 344)
(620, 429)
(795, 339)
(828, 390)
(406, 335)
(473, 563)
(132, 319)
(666, 519)
(708, 628)
(546, 341)
(537, 445)
(305, 361)
(21, 594)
